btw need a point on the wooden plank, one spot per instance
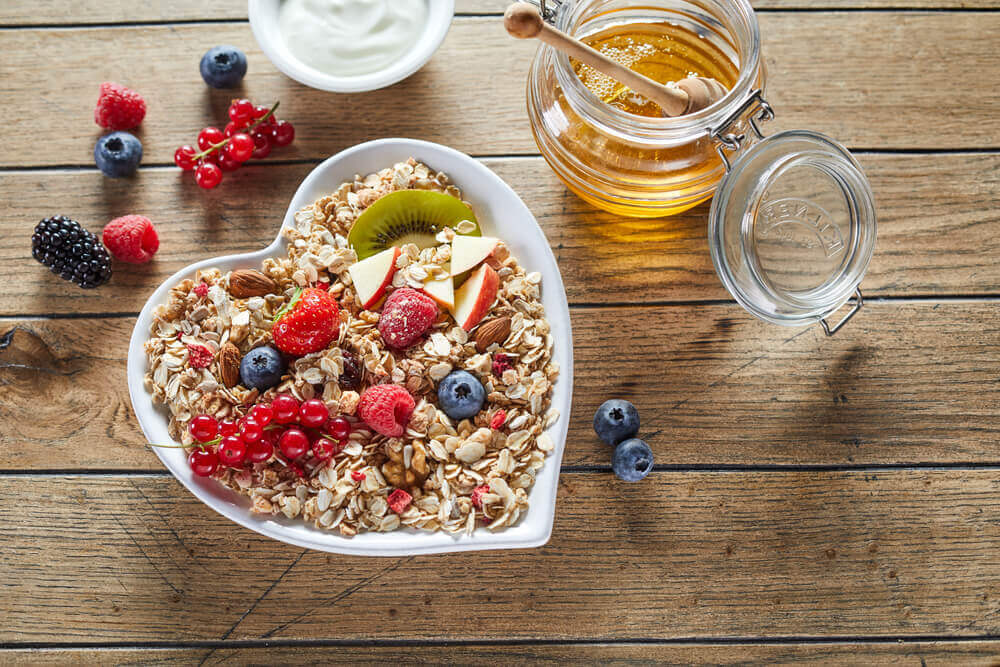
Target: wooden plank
(904, 383)
(939, 231)
(861, 105)
(89, 12)
(872, 654)
(682, 554)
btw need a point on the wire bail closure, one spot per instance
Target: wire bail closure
(727, 140)
(548, 13)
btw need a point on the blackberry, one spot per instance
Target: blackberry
(71, 252)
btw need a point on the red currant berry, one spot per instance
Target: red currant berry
(241, 111)
(184, 157)
(209, 137)
(293, 443)
(250, 430)
(227, 163)
(260, 111)
(228, 427)
(203, 462)
(286, 409)
(208, 175)
(204, 428)
(283, 133)
(231, 129)
(262, 143)
(240, 147)
(324, 449)
(260, 451)
(313, 413)
(232, 451)
(339, 428)
(262, 414)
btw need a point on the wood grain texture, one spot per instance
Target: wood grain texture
(683, 554)
(972, 653)
(820, 67)
(939, 232)
(53, 12)
(904, 383)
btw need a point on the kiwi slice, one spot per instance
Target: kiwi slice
(407, 216)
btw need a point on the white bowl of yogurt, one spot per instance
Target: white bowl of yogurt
(350, 46)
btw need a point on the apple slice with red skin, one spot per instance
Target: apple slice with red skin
(468, 252)
(372, 275)
(474, 298)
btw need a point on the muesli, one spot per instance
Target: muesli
(320, 384)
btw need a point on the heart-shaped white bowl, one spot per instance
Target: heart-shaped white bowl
(501, 213)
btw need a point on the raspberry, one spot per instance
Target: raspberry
(406, 315)
(199, 356)
(399, 500)
(119, 108)
(357, 476)
(386, 408)
(200, 290)
(132, 239)
(477, 495)
(499, 419)
(501, 363)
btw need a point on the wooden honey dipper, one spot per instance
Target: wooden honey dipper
(686, 96)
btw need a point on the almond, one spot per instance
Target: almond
(492, 331)
(246, 283)
(229, 365)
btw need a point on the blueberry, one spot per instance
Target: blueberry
(262, 368)
(223, 66)
(118, 154)
(461, 395)
(633, 460)
(616, 420)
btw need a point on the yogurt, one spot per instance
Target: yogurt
(351, 37)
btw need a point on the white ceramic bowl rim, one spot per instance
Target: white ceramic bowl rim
(264, 24)
(495, 204)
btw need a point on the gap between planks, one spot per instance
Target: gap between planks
(498, 14)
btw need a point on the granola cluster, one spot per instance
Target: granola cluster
(459, 474)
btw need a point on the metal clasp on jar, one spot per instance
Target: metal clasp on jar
(547, 8)
(759, 111)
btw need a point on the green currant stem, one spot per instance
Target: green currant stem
(222, 144)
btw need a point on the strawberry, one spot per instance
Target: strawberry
(309, 323)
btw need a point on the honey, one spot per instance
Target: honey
(614, 148)
(662, 51)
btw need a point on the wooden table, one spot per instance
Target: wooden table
(815, 498)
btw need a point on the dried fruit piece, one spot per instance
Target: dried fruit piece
(199, 356)
(399, 500)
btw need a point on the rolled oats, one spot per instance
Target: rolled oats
(438, 462)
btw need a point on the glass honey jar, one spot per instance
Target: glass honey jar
(792, 224)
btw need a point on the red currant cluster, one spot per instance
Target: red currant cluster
(301, 433)
(252, 132)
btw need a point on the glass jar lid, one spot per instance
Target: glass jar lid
(792, 226)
